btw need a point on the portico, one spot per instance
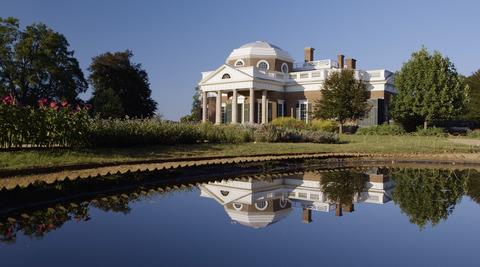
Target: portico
(235, 106)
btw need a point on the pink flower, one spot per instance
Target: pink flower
(64, 103)
(78, 108)
(53, 105)
(42, 102)
(88, 106)
(8, 100)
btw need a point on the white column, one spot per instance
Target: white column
(204, 106)
(218, 108)
(234, 106)
(252, 106)
(264, 107)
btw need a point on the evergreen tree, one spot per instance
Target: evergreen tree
(36, 63)
(120, 87)
(343, 98)
(429, 88)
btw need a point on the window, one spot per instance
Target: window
(224, 193)
(283, 203)
(261, 205)
(237, 206)
(302, 110)
(281, 108)
(263, 65)
(284, 68)
(239, 63)
(226, 76)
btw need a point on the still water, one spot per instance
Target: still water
(372, 217)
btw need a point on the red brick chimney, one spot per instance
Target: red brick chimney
(308, 53)
(351, 63)
(341, 61)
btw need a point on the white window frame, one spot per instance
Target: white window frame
(263, 61)
(298, 115)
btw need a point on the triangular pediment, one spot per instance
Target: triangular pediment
(216, 75)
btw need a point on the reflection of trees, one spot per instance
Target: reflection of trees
(473, 186)
(341, 187)
(427, 195)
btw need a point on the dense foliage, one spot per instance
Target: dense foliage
(384, 129)
(57, 124)
(36, 63)
(428, 196)
(429, 88)
(343, 98)
(51, 124)
(120, 87)
(317, 124)
(473, 82)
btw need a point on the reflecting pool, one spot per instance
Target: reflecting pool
(350, 217)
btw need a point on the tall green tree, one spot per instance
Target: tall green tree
(196, 111)
(473, 82)
(120, 87)
(343, 98)
(429, 88)
(36, 63)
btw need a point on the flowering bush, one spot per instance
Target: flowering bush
(47, 125)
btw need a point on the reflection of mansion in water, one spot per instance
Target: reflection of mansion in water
(257, 203)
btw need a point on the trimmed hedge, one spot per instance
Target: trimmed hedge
(384, 129)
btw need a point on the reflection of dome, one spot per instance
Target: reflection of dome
(259, 49)
(257, 219)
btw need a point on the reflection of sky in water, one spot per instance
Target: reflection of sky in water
(184, 229)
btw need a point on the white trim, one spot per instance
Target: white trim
(263, 61)
(286, 65)
(237, 208)
(264, 208)
(239, 60)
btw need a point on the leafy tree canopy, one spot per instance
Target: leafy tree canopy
(343, 98)
(120, 87)
(196, 111)
(428, 196)
(429, 88)
(36, 63)
(473, 81)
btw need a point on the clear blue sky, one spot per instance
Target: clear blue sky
(176, 40)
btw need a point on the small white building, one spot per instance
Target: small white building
(260, 81)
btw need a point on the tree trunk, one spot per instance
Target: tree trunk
(425, 124)
(340, 128)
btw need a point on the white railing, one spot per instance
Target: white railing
(318, 64)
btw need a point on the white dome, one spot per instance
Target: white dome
(259, 49)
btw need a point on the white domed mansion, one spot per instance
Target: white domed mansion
(260, 82)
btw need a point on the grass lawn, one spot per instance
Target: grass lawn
(350, 143)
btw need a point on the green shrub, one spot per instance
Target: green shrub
(474, 134)
(384, 129)
(288, 122)
(271, 133)
(323, 125)
(433, 131)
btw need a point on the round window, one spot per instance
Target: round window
(226, 76)
(263, 65)
(261, 205)
(283, 203)
(284, 68)
(237, 206)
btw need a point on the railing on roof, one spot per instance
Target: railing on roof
(318, 64)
